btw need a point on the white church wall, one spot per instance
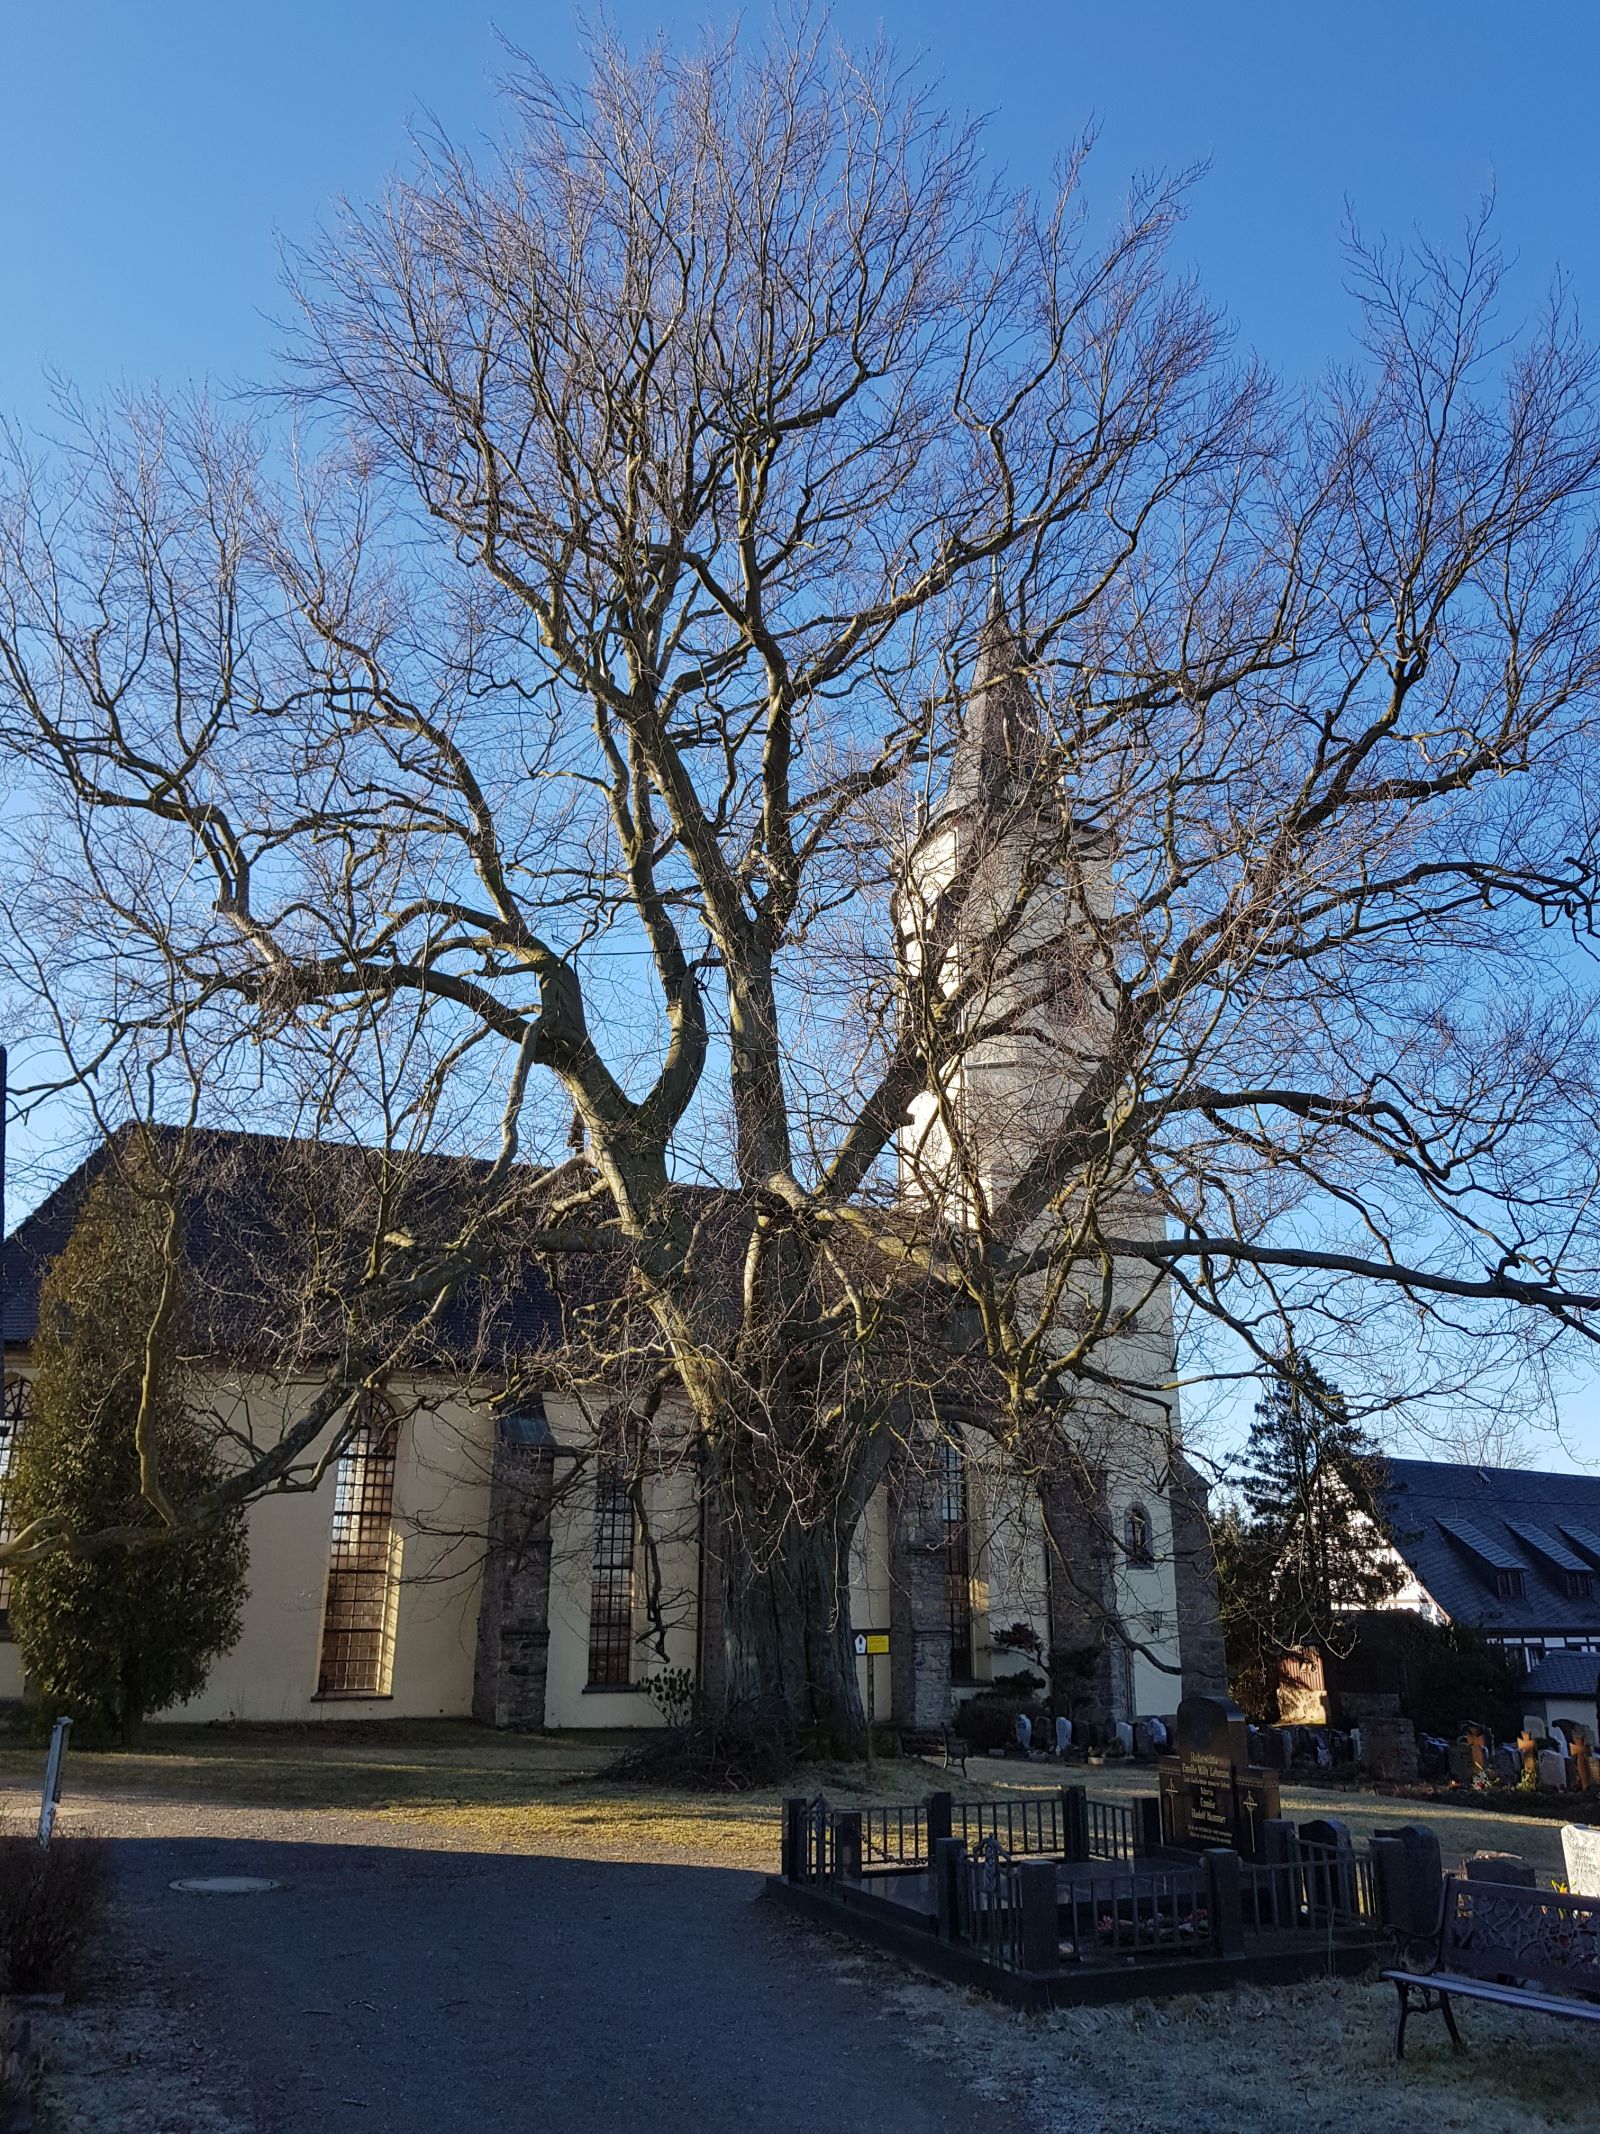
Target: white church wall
(1008, 1554)
(673, 1517)
(440, 1513)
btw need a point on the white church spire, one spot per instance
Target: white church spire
(1001, 740)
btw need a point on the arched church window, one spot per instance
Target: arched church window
(359, 1614)
(1137, 1535)
(611, 1577)
(955, 1516)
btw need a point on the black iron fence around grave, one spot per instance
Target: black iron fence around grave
(1020, 1915)
(1111, 1830)
(896, 1836)
(1317, 1886)
(1081, 1883)
(1066, 1824)
(1026, 1826)
(1108, 1919)
(989, 1898)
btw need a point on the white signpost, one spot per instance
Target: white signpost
(869, 1644)
(52, 1778)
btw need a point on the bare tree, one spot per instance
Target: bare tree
(588, 691)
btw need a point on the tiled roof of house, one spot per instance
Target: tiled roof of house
(1564, 1674)
(1513, 1550)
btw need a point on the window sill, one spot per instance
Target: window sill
(354, 1696)
(613, 1689)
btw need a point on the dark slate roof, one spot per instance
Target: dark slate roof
(253, 1205)
(1564, 1674)
(269, 1223)
(1457, 1526)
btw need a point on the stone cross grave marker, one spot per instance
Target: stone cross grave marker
(1210, 1793)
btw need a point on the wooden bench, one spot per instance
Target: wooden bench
(1521, 1948)
(943, 1742)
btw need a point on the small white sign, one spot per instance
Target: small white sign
(1580, 1845)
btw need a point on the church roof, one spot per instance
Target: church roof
(276, 1230)
(1513, 1550)
(1001, 739)
(268, 1222)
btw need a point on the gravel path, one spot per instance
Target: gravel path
(416, 1991)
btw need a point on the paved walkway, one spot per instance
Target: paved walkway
(413, 1991)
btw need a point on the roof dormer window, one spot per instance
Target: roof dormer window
(1510, 1585)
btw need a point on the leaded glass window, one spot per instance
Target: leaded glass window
(358, 1619)
(611, 1580)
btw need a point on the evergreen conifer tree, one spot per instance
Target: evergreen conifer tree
(117, 1634)
(1310, 1488)
(1299, 1552)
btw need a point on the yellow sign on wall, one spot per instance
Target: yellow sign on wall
(869, 1642)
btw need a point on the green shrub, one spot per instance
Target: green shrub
(989, 1721)
(125, 1628)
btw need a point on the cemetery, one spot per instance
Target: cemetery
(1060, 1898)
(1063, 1898)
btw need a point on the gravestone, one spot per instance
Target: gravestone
(1500, 1867)
(1507, 1763)
(1211, 1794)
(1389, 1748)
(1328, 1854)
(1433, 1756)
(1411, 1875)
(1528, 1750)
(1553, 1769)
(1580, 1847)
(1269, 1749)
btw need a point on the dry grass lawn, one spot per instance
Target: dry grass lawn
(445, 1784)
(1304, 2058)
(546, 1793)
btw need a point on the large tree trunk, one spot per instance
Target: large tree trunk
(786, 1611)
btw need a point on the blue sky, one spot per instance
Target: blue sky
(150, 155)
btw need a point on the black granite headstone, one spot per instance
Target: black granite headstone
(1269, 1749)
(1210, 1792)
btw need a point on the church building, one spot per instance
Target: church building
(470, 1556)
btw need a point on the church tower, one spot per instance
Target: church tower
(1021, 955)
(1009, 901)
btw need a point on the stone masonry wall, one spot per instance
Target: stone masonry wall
(512, 1661)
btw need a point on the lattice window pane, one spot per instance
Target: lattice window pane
(954, 1512)
(611, 1581)
(13, 1416)
(358, 1620)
